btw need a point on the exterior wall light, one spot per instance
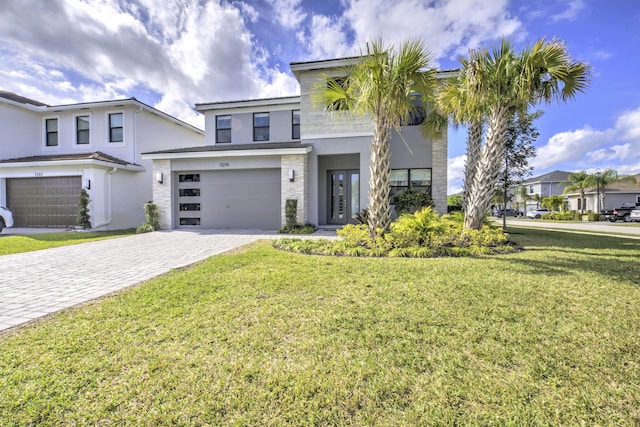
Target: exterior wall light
(86, 184)
(291, 175)
(159, 177)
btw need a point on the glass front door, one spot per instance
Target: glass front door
(344, 196)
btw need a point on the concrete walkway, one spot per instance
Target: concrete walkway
(35, 284)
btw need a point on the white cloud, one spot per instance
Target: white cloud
(570, 14)
(288, 13)
(455, 174)
(448, 28)
(628, 126)
(328, 38)
(572, 145)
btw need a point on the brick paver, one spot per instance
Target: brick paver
(35, 284)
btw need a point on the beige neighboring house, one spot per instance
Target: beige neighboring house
(48, 153)
(259, 153)
(614, 196)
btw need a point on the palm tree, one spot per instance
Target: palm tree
(536, 198)
(607, 178)
(523, 194)
(578, 181)
(503, 82)
(388, 86)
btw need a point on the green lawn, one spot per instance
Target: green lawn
(260, 337)
(34, 242)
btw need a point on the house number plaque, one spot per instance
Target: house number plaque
(224, 165)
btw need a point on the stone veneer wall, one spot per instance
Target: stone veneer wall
(439, 174)
(162, 192)
(296, 189)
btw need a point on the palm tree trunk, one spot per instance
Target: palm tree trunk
(379, 215)
(488, 169)
(474, 143)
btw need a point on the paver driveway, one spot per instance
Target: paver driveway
(35, 284)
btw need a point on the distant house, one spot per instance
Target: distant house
(548, 184)
(615, 195)
(259, 153)
(49, 153)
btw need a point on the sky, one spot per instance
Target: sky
(172, 54)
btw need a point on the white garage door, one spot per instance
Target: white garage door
(44, 202)
(230, 199)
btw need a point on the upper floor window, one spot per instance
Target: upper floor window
(295, 124)
(531, 189)
(223, 129)
(261, 126)
(51, 132)
(82, 130)
(418, 115)
(115, 127)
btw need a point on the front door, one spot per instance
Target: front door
(344, 196)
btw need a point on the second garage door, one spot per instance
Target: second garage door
(44, 202)
(230, 199)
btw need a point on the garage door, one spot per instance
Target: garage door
(44, 202)
(230, 199)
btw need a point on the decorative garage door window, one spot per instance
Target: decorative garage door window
(189, 199)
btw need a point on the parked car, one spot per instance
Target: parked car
(634, 215)
(537, 213)
(6, 218)
(623, 213)
(506, 212)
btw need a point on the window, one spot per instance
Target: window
(115, 127)
(531, 189)
(223, 129)
(189, 206)
(295, 124)
(82, 129)
(189, 192)
(189, 177)
(417, 116)
(189, 221)
(51, 131)
(409, 179)
(261, 126)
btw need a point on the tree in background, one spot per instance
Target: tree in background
(578, 182)
(520, 136)
(606, 178)
(389, 86)
(523, 197)
(553, 203)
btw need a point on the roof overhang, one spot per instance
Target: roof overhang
(212, 154)
(285, 102)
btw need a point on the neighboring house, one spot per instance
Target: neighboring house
(259, 153)
(49, 153)
(548, 184)
(615, 195)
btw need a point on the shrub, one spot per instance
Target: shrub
(152, 219)
(410, 201)
(298, 229)
(84, 219)
(291, 213)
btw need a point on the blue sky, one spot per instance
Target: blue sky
(172, 54)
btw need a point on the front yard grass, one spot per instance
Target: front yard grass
(545, 336)
(35, 242)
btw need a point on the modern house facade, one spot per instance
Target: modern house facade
(49, 153)
(260, 153)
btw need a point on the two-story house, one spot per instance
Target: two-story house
(259, 153)
(538, 187)
(49, 153)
